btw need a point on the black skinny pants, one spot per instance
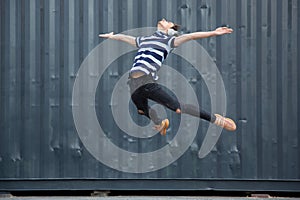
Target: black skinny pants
(144, 88)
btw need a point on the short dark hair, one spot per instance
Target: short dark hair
(176, 27)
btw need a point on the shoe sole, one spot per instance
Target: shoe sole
(233, 128)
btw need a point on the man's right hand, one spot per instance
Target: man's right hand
(107, 35)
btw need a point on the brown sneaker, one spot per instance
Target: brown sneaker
(225, 122)
(162, 128)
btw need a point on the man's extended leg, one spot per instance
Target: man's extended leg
(217, 119)
(160, 96)
(196, 112)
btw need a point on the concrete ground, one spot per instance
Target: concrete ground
(143, 198)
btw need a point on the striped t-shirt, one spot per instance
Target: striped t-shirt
(153, 50)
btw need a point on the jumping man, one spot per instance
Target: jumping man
(152, 51)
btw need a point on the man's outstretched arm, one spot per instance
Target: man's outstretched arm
(125, 38)
(198, 35)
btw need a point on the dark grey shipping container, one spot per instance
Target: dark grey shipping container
(44, 42)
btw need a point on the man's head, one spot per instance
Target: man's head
(164, 25)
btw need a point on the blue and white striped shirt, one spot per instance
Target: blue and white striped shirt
(153, 50)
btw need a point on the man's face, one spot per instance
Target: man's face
(165, 24)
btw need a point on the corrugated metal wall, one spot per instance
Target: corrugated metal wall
(43, 43)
